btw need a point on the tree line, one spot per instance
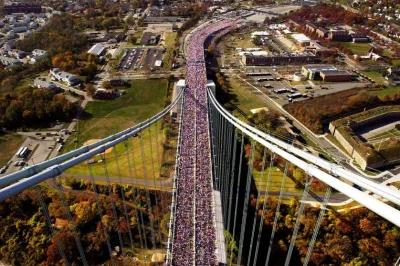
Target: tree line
(26, 238)
(31, 106)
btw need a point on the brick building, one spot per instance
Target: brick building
(339, 36)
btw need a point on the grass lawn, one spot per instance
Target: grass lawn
(276, 180)
(245, 99)
(394, 132)
(389, 90)
(9, 144)
(170, 46)
(375, 75)
(357, 48)
(102, 118)
(29, 80)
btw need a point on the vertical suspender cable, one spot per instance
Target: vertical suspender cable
(237, 189)
(111, 195)
(266, 193)
(256, 208)
(71, 222)
(136, 193)
(246, 202)
(277, 212)
(48, 219)
(297, 226)
(221, 153)
(123, 198)
(228, 176)
(317, 226)
(150, 211)
(232, 178)
(100, 211)
(155, 186)
(159, 162)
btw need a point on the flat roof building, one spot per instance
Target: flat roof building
(98, 49)
(339, 35)
(149, 38)
(160, 20)
(250, 59)
(335, 76)
(302, 39)
(327, 73)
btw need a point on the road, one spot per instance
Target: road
(320, 142)
(67, 88)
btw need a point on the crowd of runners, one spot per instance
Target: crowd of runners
(194, 237)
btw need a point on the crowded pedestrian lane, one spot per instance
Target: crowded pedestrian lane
(194, 229)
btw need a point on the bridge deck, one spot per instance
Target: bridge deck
(221, 250)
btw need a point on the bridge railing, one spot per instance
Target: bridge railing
(311, 164)
(235, 186)
(40, 172)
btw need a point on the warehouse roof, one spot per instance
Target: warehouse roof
(97, 49)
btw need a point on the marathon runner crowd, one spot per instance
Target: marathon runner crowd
(194, 237)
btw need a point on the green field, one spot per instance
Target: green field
(142, 100)
(9, 144)
(243, 93)
(170, 46)
(388, 134)
(389, 90)
(276, 180)
(357, 48)
(375, 75)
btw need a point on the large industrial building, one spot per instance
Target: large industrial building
(327, 73)
(251, 59)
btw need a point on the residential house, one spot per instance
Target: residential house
(9, 61)
(68, 78)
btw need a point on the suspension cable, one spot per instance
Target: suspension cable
(298, 220)
(155, 186)
(136, 193)
(256, 208)
(123, 198)
(153, 239)
(237, 189)
(111, 195)
(48, 219)
(100, 212)
(246, 203)
(317, 226)
(159, 164)
(71, 221)
(232, 177)
(228, 174)
(277, 212)
(266, 195)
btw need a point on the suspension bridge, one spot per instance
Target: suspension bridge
(210, 185)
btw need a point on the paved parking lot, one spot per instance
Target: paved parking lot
(39, 150)
(131, 60)
(140, 59)
(268, 83)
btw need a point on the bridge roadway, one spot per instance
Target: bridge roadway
(194, 240)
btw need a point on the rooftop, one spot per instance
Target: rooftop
(334, 73)
(320, 68)
(300, 37)
(97, 49)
